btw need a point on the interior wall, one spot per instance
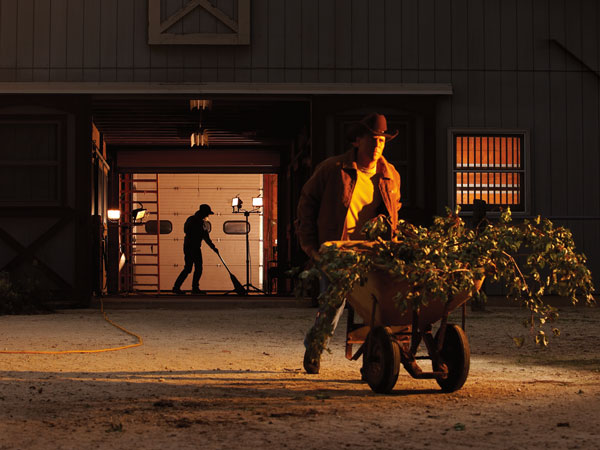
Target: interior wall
(180, 195)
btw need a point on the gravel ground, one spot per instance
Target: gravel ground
(233, 378)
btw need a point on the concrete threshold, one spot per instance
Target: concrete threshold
(198, 302)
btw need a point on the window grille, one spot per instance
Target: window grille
(489, 167)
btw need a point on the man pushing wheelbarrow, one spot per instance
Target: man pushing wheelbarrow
(341, 196)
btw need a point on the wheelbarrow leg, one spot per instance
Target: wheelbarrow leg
(349, 327)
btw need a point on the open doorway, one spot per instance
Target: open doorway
(153, 245)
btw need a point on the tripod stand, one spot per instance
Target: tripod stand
(248, 286)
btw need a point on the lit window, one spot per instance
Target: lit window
(489, 167)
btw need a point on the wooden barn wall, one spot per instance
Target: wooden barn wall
(519, 64)
(55, 237)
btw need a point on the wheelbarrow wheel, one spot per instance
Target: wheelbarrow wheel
(381, 363)
(456, 354)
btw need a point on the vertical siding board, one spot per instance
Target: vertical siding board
(493, 31)
(508, 34)
(541, 158)
(427, 34)
(443, 35)
(141, 49)
(410, 41)
(509, 99)
(477, 37)
(25, 39)
(91, 40)
(158, 53)
(525, 111)
(573, 34)
(493, 99)
(58, 40)
(476, 86)
(293, 47)
(174, 53)
(525, 100)
(574, 91)
(556, 19)
(589, 31)
(41, 43)
(108, 40)
(343, 41)
(376, 41)
(327, 41)
(8, 40)
(393, 35)
(460, 99)
(590, 144)
(460, 38)
(558, 142)
(573, 151)
(260, 41)
(276, 42)
(226, 56)
(193, 63)
(524, 35)
(360, 41)
(75, 41)
(540, 28)
(310, 41)
(204, 22)
(125, 39)
(158, 64)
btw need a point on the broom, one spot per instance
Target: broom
(237, 286)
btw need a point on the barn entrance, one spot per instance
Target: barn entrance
(168, 154)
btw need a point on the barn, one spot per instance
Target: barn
(153, 107)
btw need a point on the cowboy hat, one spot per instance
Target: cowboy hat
(374, 124)
(205, 209)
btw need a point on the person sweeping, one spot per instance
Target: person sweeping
(196, 231)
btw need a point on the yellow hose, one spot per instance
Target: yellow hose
(63, 352)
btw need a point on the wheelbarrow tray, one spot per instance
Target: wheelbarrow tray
(374, 300)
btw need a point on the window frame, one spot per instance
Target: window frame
(59, 121)
(489, 132)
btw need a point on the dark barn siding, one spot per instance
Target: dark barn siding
(519, 64)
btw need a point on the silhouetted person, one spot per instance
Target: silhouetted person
(196, 231)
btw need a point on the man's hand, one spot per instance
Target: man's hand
(216, 250)
(315, 255)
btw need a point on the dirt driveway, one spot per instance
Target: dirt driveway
(232, 379)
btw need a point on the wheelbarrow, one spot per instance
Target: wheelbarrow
(391, 336)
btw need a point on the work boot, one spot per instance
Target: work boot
(177, 291)
(197, 291)
(312, 362)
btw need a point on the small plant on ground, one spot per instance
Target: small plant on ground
(23, 297)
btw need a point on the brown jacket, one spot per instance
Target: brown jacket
(326, 196)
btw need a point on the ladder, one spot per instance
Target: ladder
(141, 248)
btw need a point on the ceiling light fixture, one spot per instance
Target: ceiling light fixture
(199, 138)
(200, 104)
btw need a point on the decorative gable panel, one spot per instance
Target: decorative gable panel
(199, 22)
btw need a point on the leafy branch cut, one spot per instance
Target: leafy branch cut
(531, 259)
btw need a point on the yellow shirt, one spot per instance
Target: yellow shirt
(366, 199)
